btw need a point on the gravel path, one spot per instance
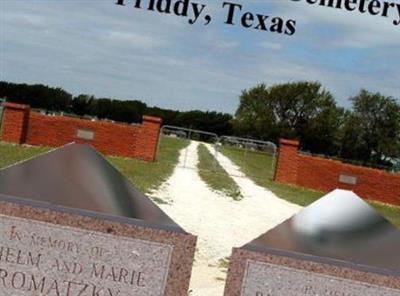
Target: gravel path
(254, 194)
(219, 222)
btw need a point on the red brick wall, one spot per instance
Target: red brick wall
(323, 174)
(15, 122)
(136, 141)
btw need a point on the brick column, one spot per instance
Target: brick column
(287, 165)
(15, 122)
(147, 141)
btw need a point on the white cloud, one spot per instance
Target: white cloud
(129, 39)
(25, 18)
(226, 45)
(271, 45)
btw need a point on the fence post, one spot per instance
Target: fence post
(274, 161)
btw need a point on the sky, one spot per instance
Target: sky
(99, 48)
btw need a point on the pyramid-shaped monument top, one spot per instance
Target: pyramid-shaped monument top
(78, 177)
(339, 227)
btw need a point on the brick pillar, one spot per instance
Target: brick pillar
(287, 165)
(147, 141)
(15, 122)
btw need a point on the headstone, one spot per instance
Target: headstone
(71, 224)
(348, 179)
(338, 246)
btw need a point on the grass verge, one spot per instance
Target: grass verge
(213, 174)
(147, 176)
(12, 153)
(258, 167)
(223, 264)
(253, 163)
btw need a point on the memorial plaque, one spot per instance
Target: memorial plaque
(337, 246)
(264, 279)
(72, 225)
(85, 134)
(348, 179)
(42, 258)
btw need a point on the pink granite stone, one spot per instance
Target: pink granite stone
(111, 256)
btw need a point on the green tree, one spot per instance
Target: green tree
(36, 95)
(372, 130)
(49, 98)
(84, 105)
(302, 110)
(255, 115)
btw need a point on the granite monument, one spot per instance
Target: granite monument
(71, 224)
(337, 246)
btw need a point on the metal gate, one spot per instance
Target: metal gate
(249, 157)
(237, 156)
(186, 141)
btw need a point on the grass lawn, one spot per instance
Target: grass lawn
(145, 175)
(253, 163)
(258, 167)
(10, 154)
(215, 176)
(149, 175)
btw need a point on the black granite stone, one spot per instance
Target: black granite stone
(339, 229)
(77, 178)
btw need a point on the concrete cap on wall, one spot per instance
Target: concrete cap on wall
(16, 106)
(152, 119)
(287, 142)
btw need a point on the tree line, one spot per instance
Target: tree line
(40, 96)
(368, 132)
